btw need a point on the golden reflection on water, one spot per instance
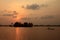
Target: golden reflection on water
(35, 33)
(17, 33)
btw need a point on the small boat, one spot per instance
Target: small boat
(50, 28)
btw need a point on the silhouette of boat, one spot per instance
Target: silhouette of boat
(50, 28)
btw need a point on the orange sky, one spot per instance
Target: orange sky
(16, 5)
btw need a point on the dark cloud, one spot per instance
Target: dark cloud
(14, 16)
(34, 6)
(9, 13)
(14, 12)
(47, 17)
(44, 5)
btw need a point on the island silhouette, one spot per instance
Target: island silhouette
(25, 24)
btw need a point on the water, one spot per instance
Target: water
(33, 33)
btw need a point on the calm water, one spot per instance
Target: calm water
(33, 33)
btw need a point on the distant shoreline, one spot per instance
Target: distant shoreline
(34, 25)
(48, 25)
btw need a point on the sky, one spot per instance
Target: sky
(35, 11)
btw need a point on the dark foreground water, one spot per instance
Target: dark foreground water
(33, 33)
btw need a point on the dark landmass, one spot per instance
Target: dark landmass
(18, 24)
(33, 25)
(48, 25)
(26, 24)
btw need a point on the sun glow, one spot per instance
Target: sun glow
(18, 8)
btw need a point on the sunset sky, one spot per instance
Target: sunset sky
(35, 11)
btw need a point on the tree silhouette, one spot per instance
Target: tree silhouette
(17, 24)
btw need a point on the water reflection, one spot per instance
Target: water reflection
(7, 33)
(17, 33)
(32, 33)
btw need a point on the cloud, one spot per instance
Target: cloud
(9, 13)
(47, 17)
(14, 12)
(34, 6)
